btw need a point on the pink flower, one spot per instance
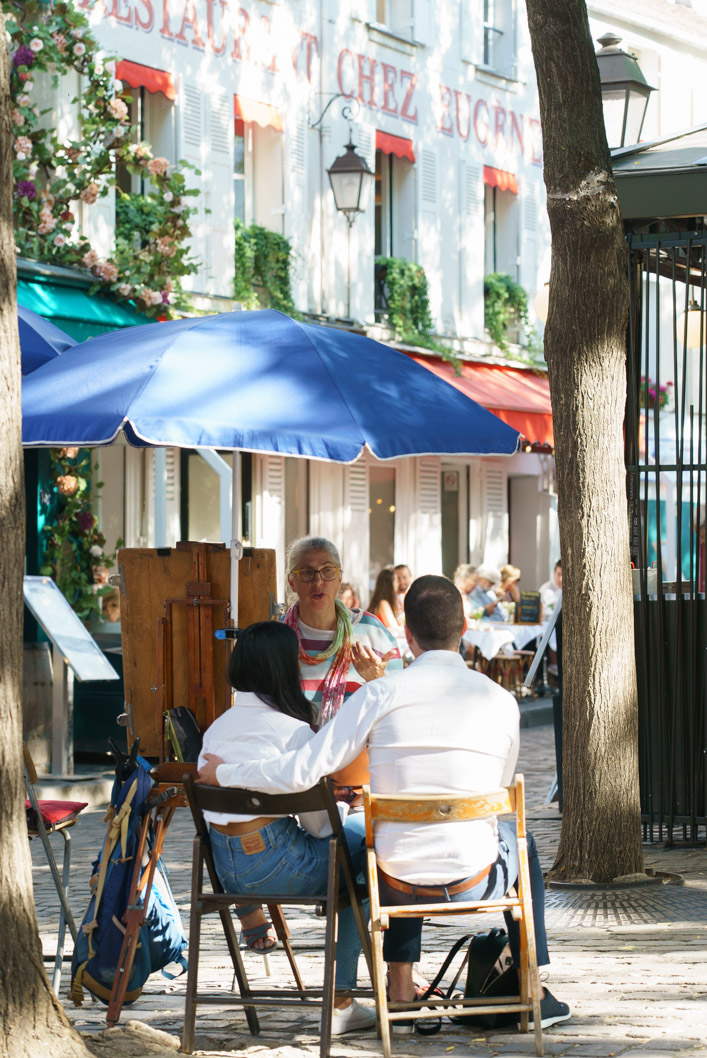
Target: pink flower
(90, 258)
(59, 240)
(68, 453)
(158, 166)
(79, 49)
(23, 147)
(17, 117)
(36, 45)
(125, 290)
(23, 100)
(106, 271)
(59, 42)
(47, 221)
(141, 150)
(67, 484)
(118, 108)
(166, 247)
(89, 194)
(77, 33)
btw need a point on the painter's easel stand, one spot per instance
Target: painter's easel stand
(172, 601)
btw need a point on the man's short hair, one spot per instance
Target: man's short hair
(434, 613)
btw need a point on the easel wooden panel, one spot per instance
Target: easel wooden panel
(171, 601)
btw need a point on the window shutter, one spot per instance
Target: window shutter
(428, 517)
(192, 147)
(219, 180)
(269, 519)
(356, 535)
(496, 514)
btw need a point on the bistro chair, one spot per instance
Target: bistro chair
(212, 899)
(43, 819)
(428, 808)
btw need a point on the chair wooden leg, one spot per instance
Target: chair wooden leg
(379, 976)
(194, 949)
(239, 969)
(332, 922)
(283, 935)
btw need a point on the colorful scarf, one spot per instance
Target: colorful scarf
(334, 685)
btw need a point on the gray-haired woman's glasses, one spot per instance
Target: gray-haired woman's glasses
(307, 574)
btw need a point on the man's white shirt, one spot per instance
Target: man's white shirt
(438, 728)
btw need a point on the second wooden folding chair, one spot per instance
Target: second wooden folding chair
(211, 900)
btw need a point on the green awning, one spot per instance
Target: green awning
(80, 314)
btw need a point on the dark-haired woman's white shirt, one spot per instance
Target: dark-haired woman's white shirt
(252, 730)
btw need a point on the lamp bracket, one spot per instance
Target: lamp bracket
(348, 112)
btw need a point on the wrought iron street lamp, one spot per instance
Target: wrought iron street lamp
(351, 180)
(625, 92)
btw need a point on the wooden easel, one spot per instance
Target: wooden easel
(172, 602)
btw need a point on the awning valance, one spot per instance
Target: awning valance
(138, 76)
(500, 179)
(263, 114)
(397, 145)
(520, 398)
(74, 310)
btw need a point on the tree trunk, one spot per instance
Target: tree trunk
(32, 1023)
(585, 348)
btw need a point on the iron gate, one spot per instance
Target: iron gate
(666, 443)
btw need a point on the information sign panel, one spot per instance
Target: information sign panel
(529, 609)
(80, 651)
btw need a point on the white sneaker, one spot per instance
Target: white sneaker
(353, 1018)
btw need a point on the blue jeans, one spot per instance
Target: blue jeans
(296, 863)
(402, 942)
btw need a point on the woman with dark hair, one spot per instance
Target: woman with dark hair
(384, 598)
(272, 716)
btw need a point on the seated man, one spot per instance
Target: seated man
(482, 596)
(437, 727)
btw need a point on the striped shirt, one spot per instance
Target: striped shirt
(368, 630)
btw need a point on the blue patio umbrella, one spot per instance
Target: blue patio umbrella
(254, 381)
(40, 340)
(257, 381)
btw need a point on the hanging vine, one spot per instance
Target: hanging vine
(53, 173)
(73, 546)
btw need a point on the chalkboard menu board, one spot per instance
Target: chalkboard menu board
(529, 609)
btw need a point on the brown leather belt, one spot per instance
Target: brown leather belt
(248, 826)
(435, 890)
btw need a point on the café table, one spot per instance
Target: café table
(491, 637)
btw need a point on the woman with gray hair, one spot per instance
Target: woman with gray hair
(339, 649)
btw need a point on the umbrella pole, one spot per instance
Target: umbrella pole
(236, 545)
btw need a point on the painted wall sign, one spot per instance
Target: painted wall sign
(245, 37)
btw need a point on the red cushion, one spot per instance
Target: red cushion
(55, 811)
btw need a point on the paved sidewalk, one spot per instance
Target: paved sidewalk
(631, 964)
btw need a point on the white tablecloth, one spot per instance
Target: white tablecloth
(490, 638)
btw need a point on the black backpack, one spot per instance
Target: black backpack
(489, 973)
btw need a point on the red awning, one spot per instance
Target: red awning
(138, 76)
(263, 114)
(396, 145)
(498, 178)
(520, 398)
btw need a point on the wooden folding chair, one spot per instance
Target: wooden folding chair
(53, 817)
(442, 809)
(215, 900)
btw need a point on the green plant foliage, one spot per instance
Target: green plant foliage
(263, 261)
(52, 175)
(408, 301)
(74, 552)
(506, 304)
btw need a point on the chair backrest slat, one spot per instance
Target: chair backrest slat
(441, 808)
(233, 801)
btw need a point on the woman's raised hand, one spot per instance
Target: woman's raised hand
(367, 663)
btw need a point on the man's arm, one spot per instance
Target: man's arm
(337, 744)
(509, 767)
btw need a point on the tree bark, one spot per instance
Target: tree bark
(585, 349)
(32, 1023)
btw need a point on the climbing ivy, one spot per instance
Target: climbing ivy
(505, 306)
(407, 298)
(263, 260)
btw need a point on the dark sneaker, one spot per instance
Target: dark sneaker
(552, 1012)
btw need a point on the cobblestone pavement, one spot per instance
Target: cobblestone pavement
(633, 971)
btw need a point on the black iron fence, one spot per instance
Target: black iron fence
(666, 449)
